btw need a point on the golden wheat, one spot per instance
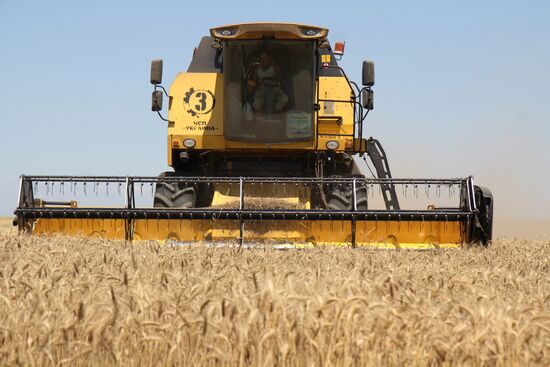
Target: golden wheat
(89, 302)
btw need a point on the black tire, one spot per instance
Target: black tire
(174, 195)
(204, 194)
(483, 232)
(340, 196)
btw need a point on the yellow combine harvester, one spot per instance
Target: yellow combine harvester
(263, 129)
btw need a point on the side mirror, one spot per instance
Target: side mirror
(156, 72)
(156, 101)
(368, 73)
(367, 99)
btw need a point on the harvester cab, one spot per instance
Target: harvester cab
(262, 130)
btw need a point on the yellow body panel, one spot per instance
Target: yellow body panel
(196, 105)
(335, 117)
(219, 143)
(305, 233)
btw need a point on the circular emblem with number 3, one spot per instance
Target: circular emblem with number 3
(198, 102)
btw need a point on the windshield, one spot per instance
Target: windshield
(269, 90)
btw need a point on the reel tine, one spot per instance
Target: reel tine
(399, 223)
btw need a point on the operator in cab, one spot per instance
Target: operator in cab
(264, 85)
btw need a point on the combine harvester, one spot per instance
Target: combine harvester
(263, 129)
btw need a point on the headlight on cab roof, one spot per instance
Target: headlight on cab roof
(311, 32)
(225, 32)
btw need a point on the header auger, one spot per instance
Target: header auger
(262, 131)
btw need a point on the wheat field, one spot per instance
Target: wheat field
(90, 302)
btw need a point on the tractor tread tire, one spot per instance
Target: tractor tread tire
(161, 199)
(340, 197)
(173, 195)
(186, 190)
(169, 187)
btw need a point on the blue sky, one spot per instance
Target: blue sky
(461, 86)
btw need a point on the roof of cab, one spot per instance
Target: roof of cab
(261, 30)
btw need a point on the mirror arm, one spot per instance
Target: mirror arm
(161, 87)
(161, 117)
(365, 115)
(357, 88)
